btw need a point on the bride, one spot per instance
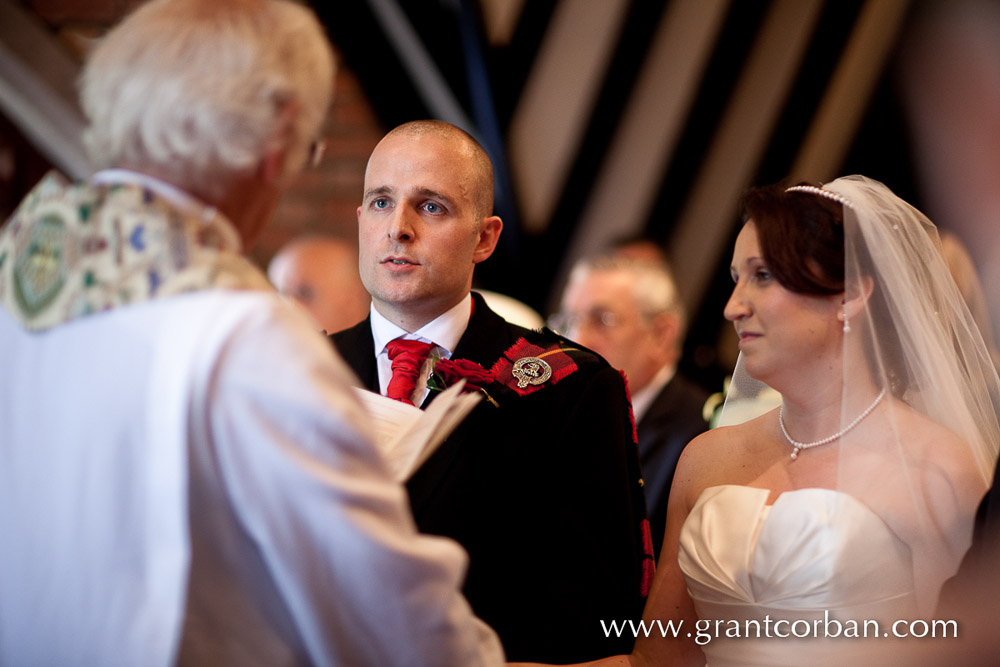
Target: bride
(802, 536)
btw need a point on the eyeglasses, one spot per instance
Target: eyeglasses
(597, 319)
(317, 150)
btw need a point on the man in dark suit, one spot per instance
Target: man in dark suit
(540, 482)
(626, 309)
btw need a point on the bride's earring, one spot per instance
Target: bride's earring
(847, 325)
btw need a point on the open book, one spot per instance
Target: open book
(406, 435)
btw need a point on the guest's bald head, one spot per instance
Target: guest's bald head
(321, 274)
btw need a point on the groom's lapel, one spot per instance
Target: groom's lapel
(484, 341)
(356, 345)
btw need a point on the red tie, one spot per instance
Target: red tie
(408, 357)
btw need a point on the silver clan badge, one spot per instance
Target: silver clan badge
(531, 370)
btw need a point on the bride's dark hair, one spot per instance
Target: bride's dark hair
(801, 237)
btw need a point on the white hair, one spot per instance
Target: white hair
(652, 282)
(201, 90)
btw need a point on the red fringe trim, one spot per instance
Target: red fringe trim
(631, 413)
(648, 562)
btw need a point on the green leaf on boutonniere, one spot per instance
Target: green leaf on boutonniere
(434, 382)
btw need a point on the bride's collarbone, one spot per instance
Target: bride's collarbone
(777, 472)
(753, 455)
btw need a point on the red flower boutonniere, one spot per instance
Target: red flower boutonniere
(447, 372)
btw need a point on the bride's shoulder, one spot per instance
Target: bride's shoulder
(724, 454)
(927, 439)
(943, 458)
(740, 438)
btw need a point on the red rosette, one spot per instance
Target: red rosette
(447, 372)
(453, 370)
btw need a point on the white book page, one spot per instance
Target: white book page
(406, 435)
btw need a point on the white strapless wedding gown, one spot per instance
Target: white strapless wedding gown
(813, 559)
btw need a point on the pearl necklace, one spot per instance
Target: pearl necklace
(799, 446)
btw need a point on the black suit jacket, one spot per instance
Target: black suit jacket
(544, 494)
(672, 420)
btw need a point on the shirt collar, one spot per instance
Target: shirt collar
(444, 331)
(181, 200)
(642, 399)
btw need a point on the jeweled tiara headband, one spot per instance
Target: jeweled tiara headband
(822, 193)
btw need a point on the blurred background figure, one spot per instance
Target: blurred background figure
(950, 58)
(963, 270)
(512, 310)
(642, 248)
(627, 310)
(320, 273)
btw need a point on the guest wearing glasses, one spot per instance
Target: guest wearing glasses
(627, 310)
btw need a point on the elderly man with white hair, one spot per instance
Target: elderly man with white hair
(187, 477)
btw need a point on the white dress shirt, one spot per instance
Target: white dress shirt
(190, 479)
(444, 331)
(642, 399)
